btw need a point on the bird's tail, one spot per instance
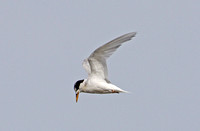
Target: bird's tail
(123, 91)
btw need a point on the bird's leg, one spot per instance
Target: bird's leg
(113, 91)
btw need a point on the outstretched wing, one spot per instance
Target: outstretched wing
(96, 65)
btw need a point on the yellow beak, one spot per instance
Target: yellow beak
(77, 94)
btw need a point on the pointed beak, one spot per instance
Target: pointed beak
(77, 95)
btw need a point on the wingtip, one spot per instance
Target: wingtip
(130, 35)
(133, 34)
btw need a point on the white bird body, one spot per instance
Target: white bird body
(96, 67)
(98, 86)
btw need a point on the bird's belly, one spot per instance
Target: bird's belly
(97, 90)
(98, 86)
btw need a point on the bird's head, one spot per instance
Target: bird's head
(76, 88)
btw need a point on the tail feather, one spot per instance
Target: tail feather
(123, 91)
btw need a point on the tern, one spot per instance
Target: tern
(96, 67)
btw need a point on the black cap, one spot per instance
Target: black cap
(77, 84)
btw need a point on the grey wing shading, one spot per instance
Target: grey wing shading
(96, 63)
(86, 66)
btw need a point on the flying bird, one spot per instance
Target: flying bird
(96, 67)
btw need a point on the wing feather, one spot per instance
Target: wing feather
(95, 64)
(86, 66)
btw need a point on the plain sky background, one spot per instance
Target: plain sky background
(43, 43)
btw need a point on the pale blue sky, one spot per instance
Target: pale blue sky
(43, 43)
